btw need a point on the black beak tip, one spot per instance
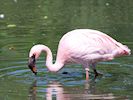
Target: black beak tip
(30, 67)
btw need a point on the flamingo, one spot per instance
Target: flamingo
(81, 46)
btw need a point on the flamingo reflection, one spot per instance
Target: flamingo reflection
(33, 91)
(55, 91)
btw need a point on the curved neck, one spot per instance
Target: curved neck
(49, 60)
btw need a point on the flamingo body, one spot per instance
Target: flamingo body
(82, 46)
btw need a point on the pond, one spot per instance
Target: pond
(24, 23)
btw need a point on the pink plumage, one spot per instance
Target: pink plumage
(81, 46)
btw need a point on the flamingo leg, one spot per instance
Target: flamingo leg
(87, 73)
(95, 71)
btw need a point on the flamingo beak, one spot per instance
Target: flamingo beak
(31, 64)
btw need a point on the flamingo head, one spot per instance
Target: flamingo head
(33, 55)
(31, 64)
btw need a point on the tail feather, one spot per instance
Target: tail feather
(126, 50)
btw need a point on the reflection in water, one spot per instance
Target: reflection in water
(55, 91)
(32, 91)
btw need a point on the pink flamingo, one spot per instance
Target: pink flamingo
(81, 46)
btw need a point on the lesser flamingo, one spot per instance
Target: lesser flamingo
(81, 46)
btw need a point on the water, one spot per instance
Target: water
(25, 23)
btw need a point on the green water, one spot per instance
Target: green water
(24, 23)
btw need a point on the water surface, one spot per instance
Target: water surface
(24, 23)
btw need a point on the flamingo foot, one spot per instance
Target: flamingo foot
(97, 74)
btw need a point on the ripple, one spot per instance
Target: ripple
(71, 84)
(13, 71)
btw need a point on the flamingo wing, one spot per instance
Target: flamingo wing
(89, 45)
